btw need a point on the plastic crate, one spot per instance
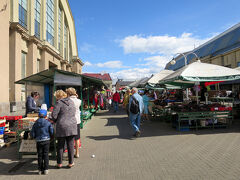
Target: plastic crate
(3, 124)
(13, 118)
(25, 124)
(2, 130)
(183, 128)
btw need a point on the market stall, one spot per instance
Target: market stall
(52, 80)
(192, 75)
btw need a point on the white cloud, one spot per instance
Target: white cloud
(133, 73)
(160, 44)
(161, 49)
(157, 61)
(87, 63)
(111, 64)
(108, 64)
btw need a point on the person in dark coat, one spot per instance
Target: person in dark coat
(31, 103)
(66, 126)
(42, 131)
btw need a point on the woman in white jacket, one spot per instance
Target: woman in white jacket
(72, 94)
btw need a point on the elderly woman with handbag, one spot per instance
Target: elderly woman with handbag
(66, 126)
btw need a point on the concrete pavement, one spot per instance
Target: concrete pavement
(160, 153)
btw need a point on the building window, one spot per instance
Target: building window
(59, 28)
(50, 21)
(65, 42)
(238, 64)
(222, 60)
(38, 65)
(23, 13)
(37, 17)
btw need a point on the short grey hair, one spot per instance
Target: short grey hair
(135, 89)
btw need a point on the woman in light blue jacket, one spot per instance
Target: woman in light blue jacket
(146, 103)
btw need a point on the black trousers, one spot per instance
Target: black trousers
(43, 159)
(60, 148)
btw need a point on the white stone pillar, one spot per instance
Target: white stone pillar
(56, 24)
(14, 11)
(31, 17)
(43, 19)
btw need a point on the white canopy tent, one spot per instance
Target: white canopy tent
(159, 76)
(201, 72)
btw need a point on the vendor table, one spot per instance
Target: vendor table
(202, 119)
(163, 113)
(28, 147)
(222, 99)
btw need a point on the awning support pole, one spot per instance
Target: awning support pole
(81, 124)
(25, 90)
(88, 97)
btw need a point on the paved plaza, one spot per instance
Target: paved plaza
(160, 153)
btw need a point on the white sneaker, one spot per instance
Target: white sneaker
(46, 172)
(39, 172)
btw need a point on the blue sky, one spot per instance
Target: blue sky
(131, 39)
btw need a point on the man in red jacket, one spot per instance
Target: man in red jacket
(116, 100)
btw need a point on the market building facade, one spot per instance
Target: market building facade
(35, 35)
(223, 50)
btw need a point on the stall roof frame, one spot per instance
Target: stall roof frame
(47, 77)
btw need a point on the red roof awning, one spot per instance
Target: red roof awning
(211, 83)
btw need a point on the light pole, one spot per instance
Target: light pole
(173, 61)
(185, 58)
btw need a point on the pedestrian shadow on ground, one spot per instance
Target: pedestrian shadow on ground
(12, 166)
(153, 128)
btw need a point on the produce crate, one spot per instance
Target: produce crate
(3, 124)
(12, 118)
(26, 123)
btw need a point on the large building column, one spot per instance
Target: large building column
(32, 59)
(77, 65)
(14, 10)
(4, 51)
(56, 24)
(77, 68)
(15, 46)
(43, 20)
(44, 63)
(31, 15)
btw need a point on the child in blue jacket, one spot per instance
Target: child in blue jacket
(42, 131)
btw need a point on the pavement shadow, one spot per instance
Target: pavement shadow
(153, 128)
(12, 166)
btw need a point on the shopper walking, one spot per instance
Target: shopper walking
(66, 126)
(72, 94)
(116, 101)
(146, 103)
(135, 110)
(42, 131)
